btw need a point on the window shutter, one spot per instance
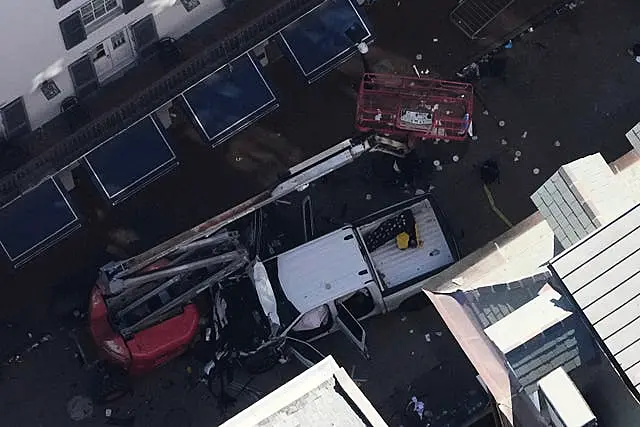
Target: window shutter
(144, 33)
(73, 31)
(15, 119)
(129, 5)
(59, 3)
(83, 76)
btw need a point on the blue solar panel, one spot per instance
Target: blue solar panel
(230, 99)
(35, 221)
(131, 159)
(320, 40)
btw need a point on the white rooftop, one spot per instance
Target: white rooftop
(322, 396)
(602, 273)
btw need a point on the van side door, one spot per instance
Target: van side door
(351, 328)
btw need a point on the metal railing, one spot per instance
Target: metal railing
(472, 16)
(146, 101)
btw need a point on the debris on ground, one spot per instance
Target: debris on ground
(455, 158)
(536, 171)
(524, 134)
(368, 196)
(438, 334)
(418, 406)
(503, 141)
(557, 143)
(419, 57)
(485, 112)
(518, 153)
(508, 45)
(410, 331)
(427, 337)
(501, 123)
(80, 408)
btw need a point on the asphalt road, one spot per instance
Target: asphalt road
(568, 81)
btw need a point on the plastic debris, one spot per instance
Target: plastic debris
(403, 319)
(30, 335)
(503, 141)
(418, 406)
(557, 143)
(435, 40)
(436, 163)
(415, 70)
(455, 158)
(508, 45)
(419, 57)
(427, 337)
(419, 192)
(501, 123)
(410, 331)
(524, 134)
(438, 334)
(531, 29)
(368, 196)
(536, 171)
(518, 153)
(107, 412)
(485, 112)
(474, 138)
(79, 408)
(516, 159)
(413, 353)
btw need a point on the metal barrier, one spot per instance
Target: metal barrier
(149, 99)
(472, 16)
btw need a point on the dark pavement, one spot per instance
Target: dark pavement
(567, 81)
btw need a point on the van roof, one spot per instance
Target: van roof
(323, 270)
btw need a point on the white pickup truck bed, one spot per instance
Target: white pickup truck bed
(397, 267)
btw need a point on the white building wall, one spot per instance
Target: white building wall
(33, 45)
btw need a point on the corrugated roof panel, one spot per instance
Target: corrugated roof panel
(603, 274)
(589, 248)
(601, 307)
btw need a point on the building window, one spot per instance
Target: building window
(49, 89)
(96, 9)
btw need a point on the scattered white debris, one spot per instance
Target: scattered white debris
(516, 159)
(438, 334)
(485, 112)
(396, 167)
(518, 153)
(419, 192)
(446, 141)
(435, 40)
(107, 412)
(427, 337)
(474, 138)
(30, 335)
(403, 319)
(378, 115)
(536, 171)
(410, 331)
(418, 406)
(557, 143)
(524, 134)
(368, 196)
(501, 123)
(455, 158)
(415, 70)
(503, 141)
(363, 48)
(238, 158)
(436, 163)
(419, 57)
(413, 353)
(531, 29)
